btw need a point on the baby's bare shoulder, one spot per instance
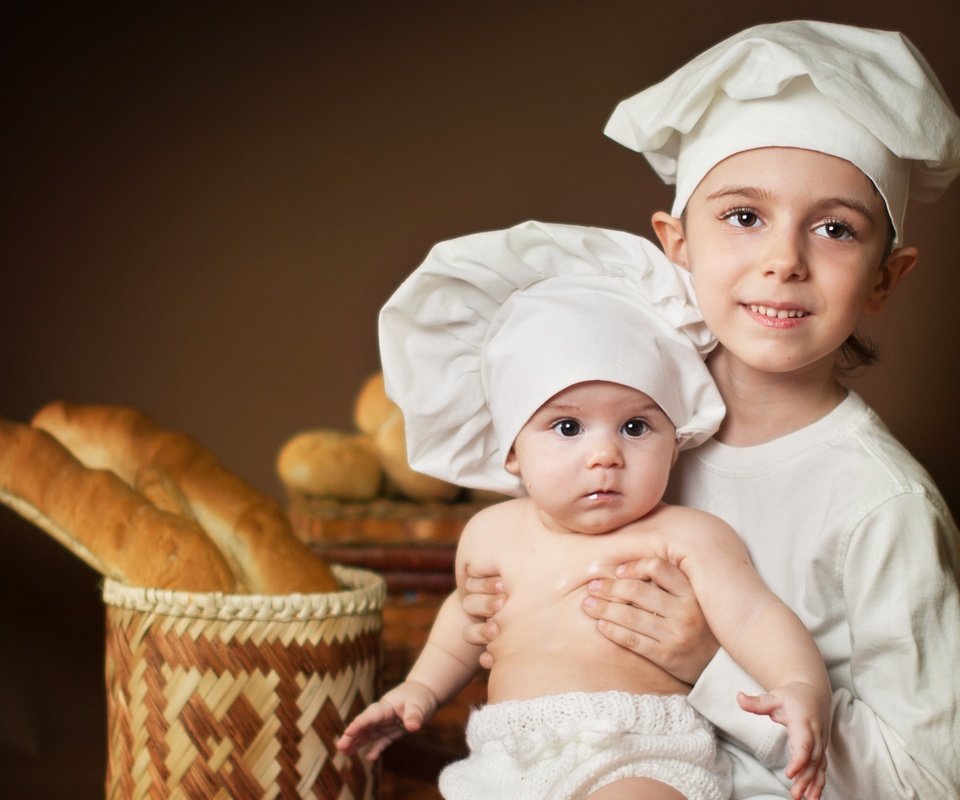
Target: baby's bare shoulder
(491, 525)
(700, 534)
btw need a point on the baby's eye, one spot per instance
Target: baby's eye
(741, 218)
(635, 427)
(567, 427)
(835, 229)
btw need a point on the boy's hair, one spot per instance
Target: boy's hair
(857, 353)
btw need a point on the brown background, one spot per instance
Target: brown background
(204, 210)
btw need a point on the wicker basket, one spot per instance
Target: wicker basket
(234, 696)
(412, 545)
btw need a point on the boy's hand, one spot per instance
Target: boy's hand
(483, 598)
(404, 708)
(801, 708)
(651, 609)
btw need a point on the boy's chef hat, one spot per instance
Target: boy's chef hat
(867, 96)
(493, 325)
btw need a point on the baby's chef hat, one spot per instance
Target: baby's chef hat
(867, 96)
(493, 325)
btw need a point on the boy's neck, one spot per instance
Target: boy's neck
(763, 406)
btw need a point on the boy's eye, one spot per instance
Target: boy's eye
(635, 427)
(834, 229)
(567, 427)
(742, 218)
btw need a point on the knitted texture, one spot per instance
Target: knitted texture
(566, 746)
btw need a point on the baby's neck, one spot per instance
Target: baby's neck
(763, 406)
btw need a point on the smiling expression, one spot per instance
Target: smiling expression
(595, 457)
(785, 247)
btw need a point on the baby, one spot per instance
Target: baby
(574, 382)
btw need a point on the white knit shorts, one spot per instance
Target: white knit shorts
(564, 747)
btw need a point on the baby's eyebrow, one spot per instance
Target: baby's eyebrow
(561, 408)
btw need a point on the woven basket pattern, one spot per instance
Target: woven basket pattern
(230, 696)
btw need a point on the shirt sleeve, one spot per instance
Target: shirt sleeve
(896, 733)
(715, 697)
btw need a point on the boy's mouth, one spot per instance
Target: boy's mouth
(777, 313)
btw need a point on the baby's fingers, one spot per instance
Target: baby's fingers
(383, 742)
(808, 785)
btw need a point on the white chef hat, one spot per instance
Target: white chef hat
(867, 96)
(493, 325)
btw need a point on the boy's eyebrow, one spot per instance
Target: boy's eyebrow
(759, 193)
(753, 192)
(848, 202)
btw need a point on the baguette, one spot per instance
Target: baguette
(251, 529)
(102, 520)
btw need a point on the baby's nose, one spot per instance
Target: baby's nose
(605, 452)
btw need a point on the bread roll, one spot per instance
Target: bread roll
(392, 447)
(251, 529)
(102, 520)
(372, 407)
(331, 463)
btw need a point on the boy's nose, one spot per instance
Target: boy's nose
(785, 259)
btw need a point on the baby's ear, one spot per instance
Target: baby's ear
(511, 464)
(672, 238)
(900, 263)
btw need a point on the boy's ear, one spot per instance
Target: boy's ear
(511, 464)
(900, 263)
(669, 231)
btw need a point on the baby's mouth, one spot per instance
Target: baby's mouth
(601, 494)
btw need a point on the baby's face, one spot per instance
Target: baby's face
(595, 457)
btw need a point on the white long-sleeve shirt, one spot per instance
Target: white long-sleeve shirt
(845, 525)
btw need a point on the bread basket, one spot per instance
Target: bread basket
(240, 696)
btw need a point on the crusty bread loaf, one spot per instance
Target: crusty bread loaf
(162, 492)
(331, 463)
(251, 529)
(372, 406)
(102, 520)
(391, 444)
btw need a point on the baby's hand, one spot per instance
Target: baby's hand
(806, 714)
(404, 708)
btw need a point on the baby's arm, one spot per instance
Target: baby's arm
(443, 668)
(767, 639)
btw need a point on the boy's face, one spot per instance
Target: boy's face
(786, 248)
(595, 457)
